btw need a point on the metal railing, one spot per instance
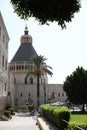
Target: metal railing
(75, 127)
(78, 128)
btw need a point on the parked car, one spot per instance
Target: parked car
(75, 109)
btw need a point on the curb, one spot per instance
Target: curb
(44, 124)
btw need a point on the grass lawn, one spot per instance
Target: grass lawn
(78, 118)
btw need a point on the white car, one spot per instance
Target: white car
(75, 109)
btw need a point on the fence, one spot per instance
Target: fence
(75, 127)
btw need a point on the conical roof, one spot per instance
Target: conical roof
(25, 50)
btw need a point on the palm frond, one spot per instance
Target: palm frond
(31, 73)
(40, 66)
(48, 71)
(49, 67)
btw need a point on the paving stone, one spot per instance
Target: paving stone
(21, 121)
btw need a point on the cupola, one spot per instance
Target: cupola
(25, 50)
(26, 38)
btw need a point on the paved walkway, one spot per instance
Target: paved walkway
(20, 121)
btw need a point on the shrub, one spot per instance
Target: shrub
(7, 113)
(30, 108)
(56, 115)
(7, 107)
(10, 109)
(23, 108)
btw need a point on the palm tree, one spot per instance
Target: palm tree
(40, 68)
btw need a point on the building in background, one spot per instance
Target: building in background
(4, 39)
(20, 89)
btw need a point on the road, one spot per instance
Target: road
(21, 121)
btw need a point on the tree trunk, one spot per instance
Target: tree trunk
(83, 109)
(38, 91)
(44, 92)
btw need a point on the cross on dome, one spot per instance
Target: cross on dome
(26, 30)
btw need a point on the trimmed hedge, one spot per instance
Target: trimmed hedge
(56, 115)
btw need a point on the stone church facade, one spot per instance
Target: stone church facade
(20, 89)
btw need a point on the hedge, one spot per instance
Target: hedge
(56, 115)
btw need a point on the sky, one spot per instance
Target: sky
(65, 50)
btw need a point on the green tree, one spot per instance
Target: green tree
(75, 86)
(40, 68)
(45, 11)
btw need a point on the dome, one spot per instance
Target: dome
(26, 38)
(25, 50)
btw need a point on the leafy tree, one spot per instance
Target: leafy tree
(40, 68)
(75, 86)
(61, 11)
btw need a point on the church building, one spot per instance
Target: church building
(20, 89)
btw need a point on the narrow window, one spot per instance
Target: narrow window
(17, 67)
(11, 67)
(6, 65)
(25, 81)
(63, 94)
(29, 94)
(25, 67)
(5, 86)
(22, 67)
(3, 61)
(0, 30)
(31, 80)
(3, 38)
(14, 80)
(0, 53)
(59, 94)
(21, 95)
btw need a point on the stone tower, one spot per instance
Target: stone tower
(20, 64)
